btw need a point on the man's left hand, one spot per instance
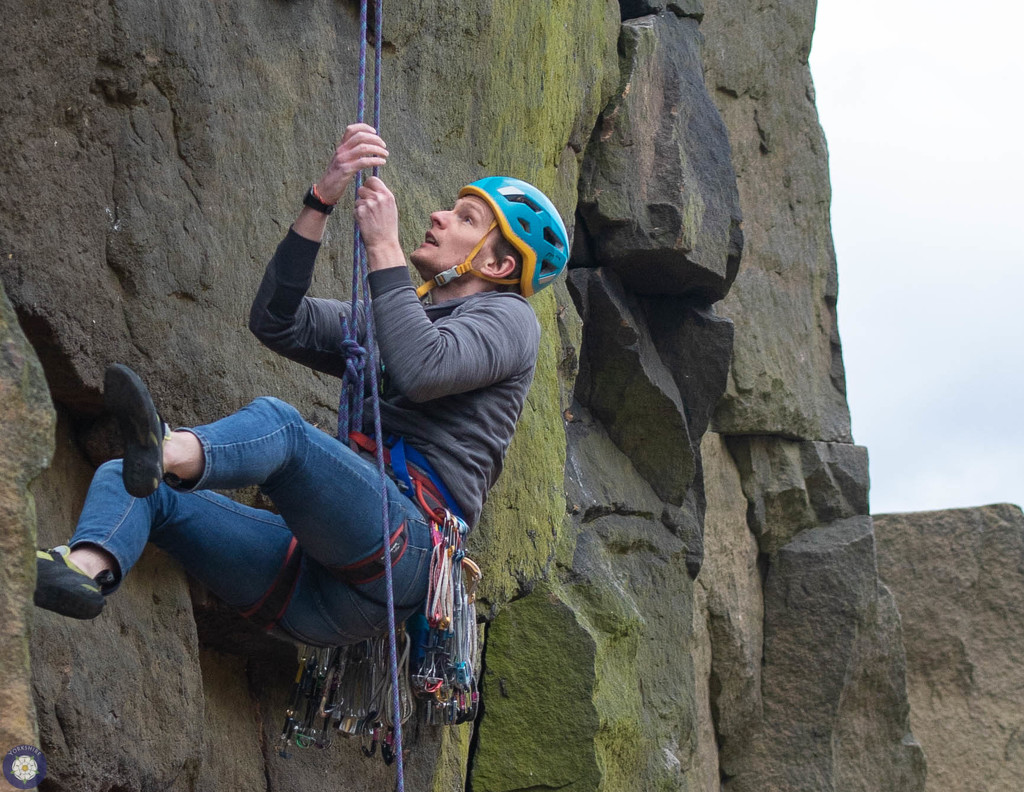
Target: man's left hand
(377, 215)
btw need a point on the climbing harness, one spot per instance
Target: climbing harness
(412, 473)
(372, 568)
(274, 602)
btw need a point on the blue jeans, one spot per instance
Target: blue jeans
(329, 500)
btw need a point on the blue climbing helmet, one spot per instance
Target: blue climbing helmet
(530, 223)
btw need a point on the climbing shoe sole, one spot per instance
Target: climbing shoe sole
(63, 588)
(127, 398)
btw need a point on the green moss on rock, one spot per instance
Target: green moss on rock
(545, 70)
(540, 720)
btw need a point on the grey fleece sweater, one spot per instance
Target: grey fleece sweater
(456, 374)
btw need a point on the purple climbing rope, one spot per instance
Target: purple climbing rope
(350, 408)
(350, 405)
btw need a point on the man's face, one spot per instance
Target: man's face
(452, 236)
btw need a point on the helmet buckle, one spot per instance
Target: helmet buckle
(447, 276)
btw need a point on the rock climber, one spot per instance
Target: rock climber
(457, 374)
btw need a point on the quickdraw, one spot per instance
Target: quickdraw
(446, 673)
(346, 690)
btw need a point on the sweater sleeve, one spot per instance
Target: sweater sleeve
(304, 329)
(486, 339)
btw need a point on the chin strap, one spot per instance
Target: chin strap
(454, 273)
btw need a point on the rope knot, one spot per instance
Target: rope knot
(350, 404)
(355, 353)
(355, 359)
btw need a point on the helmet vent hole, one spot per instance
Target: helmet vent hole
(552, 239)
(525, 224)
(518, 197)
(548, 267)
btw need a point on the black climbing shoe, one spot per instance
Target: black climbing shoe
(64, 588)
(126, 396)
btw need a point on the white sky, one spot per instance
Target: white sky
(923, 107)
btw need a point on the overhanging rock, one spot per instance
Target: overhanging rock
(791, 486)
(695, 345)
(658, 195)
(683, 8)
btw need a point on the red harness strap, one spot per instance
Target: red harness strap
(269, 609)
(372, 567)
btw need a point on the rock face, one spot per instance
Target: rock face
(680, 586)
(119, 698)
(26, 447)
(818, 701)
(958, 579)
(832, 685)
(787, 375)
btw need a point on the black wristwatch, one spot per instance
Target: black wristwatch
(315, 203)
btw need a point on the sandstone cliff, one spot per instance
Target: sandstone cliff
(681, 589)
(958, 579)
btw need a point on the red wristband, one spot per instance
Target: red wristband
(316, 193)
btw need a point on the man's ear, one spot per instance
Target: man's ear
(499, 268)
(504, 267)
